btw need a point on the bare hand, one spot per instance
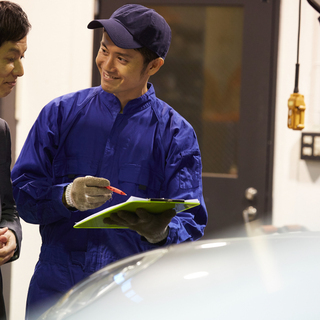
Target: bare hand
(8, 245)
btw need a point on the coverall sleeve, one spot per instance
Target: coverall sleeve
(8, 212)
(184, 181)
(39, 201)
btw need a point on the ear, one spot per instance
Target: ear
(154, 66)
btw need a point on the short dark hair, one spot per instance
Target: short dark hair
(14, 23)
(148, 56)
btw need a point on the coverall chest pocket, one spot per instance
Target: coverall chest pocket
(141, 180)
(66, 170)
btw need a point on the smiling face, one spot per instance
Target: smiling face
(11, 67)
(122, 71)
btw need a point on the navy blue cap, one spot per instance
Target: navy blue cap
(134, 26)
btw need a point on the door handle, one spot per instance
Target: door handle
(249, 214)
(251, 193)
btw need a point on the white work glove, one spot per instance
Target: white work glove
(87, 193)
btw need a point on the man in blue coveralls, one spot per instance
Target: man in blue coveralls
(118, 133)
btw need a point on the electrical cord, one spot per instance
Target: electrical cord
(296, 84)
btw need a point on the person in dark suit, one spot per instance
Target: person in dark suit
(14, 27)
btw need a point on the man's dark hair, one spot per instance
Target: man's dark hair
(14, 23)
(148, 56)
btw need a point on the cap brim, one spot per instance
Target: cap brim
(119, 35)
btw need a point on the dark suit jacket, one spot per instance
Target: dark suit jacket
(8, 213)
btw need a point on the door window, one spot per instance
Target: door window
(201, 78)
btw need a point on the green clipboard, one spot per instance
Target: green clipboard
(95, 221)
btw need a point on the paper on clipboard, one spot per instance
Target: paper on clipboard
(95, 221)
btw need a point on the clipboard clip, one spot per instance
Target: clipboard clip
(166, 200)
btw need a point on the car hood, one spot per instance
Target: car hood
(262, 277)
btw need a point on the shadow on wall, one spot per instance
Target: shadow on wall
(313, 168)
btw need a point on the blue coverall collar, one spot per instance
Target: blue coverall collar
(133, 106)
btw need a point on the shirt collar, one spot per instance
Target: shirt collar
(133, 106)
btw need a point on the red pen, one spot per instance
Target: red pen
(116, 190)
